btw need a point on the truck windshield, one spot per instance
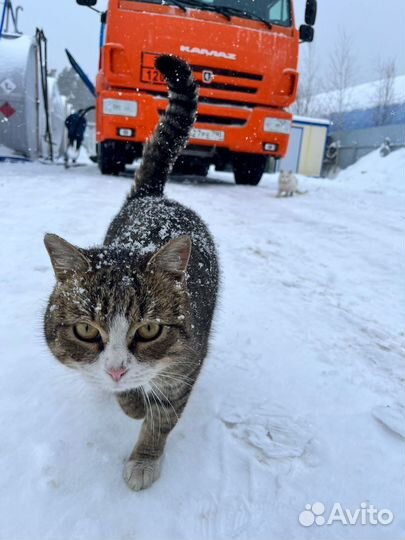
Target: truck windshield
(276, 12)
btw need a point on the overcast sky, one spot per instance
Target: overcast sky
(377, 34)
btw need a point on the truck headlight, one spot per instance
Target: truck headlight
(277, 125)
(120, 107)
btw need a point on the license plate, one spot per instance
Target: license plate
(207, 134)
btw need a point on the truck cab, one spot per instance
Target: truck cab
(244, 56)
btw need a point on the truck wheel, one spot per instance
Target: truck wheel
(109, 159)
(248, 169)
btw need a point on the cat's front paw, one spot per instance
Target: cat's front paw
(141, 474)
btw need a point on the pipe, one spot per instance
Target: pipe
(3, 16)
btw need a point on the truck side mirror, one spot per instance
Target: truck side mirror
(88, 3)
(306, 33)
(310, 12)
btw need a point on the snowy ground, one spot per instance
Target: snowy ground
(301, 398)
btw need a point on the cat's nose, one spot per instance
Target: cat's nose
(117, 374)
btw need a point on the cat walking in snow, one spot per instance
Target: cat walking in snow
(134, 314)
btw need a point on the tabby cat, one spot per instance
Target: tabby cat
(134, 314)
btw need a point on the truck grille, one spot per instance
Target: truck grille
(209, 78)
(228, 72)
(220, 120)
(247, 106)
(228, 80)
(216, 119)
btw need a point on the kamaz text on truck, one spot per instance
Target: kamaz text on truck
(244, 55)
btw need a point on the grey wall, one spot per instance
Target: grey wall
(360, 142)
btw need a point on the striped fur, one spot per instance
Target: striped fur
(171, 135)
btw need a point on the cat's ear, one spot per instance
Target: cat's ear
(172, 257)
(65, 257)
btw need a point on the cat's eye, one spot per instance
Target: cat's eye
(148, 331)
(86, 332)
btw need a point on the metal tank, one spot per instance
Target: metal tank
(19, 111)
(22, 107)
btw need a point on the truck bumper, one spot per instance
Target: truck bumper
(234, 128)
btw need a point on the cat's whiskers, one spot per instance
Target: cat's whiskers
(166, 399)
(161, 406)
(176, 363)
(145, 393)
(157, 408)
(177, 379)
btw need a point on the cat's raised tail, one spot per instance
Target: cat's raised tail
(173, 130)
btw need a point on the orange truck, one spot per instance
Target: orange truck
(244, 55)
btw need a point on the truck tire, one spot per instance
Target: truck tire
(109, 159)
(248, 169)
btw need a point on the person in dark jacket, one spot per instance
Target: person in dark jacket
(76, 124)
